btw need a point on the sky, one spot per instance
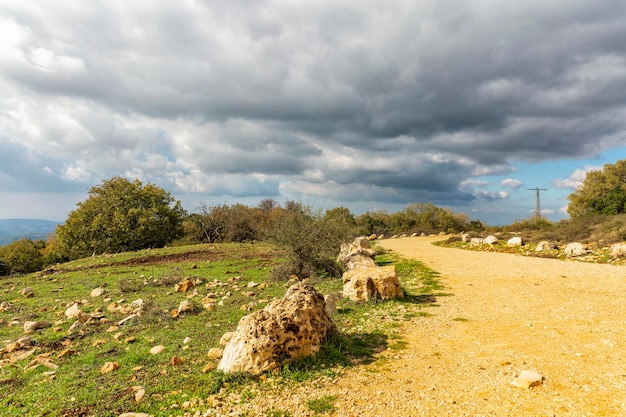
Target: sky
(469, 105)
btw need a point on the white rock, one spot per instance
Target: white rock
(97, 292)
(515, 241)
(32, 326)
(226, 338)
(186, 306)
(285, 330)
(73, 311)
(157, 349)
(491, 239)
(545, 245)
(365, 283)
(618, 250)
(528, 379)
(575, 249)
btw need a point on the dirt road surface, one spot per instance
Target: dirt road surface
(507, 313)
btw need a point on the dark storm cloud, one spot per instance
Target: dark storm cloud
(355, 99)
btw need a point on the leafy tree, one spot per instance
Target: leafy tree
(22, 256)
(373, 222)
(602, 192)
(121, 215)
(312, 240)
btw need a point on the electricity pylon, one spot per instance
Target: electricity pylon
(538, 208)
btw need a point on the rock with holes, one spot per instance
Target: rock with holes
(357, 254)
(367, 283)
(287, 329)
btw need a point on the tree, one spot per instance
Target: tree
(22, 256)
(311, 240)
(602, 192)
(120, 215)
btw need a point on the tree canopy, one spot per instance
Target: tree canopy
(602, 192)
(121, 215)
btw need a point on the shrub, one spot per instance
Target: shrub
(312, 240)
(22, 256)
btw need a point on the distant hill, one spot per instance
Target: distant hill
(15, 229)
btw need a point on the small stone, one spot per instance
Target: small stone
(139, 394)
(109, 367)
(208, 368)
(215, 353)
(177, 360)
(138, 304)
(252, 284)
(528, 379)
(97, 292)
(98, 342)
(208, 304)
(157, 349)
(184, 286)
(66, 352)
(27, 292)
(130, 339)
(226, 338)
(186, 340)
(186, 306)
(112, 329)
(32, 326)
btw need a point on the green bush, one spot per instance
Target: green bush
(22, 256)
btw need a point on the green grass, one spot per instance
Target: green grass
(77, 387)
(322, 405)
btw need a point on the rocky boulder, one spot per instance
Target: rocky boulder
(618, 250)
(491, 239)
(357, 254)
(377, 282)
(515, 241)
(576, 249)
(545, 245)
(286, 330)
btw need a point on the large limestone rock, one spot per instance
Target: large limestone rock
(545, 245)
(357, 254)
(287, 329)
(366, 283)
(575, 249)
(491, 240)
(515, 241)
(618, 250)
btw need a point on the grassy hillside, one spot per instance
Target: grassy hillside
(104, 366)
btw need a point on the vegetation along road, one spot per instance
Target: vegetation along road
(505, 314)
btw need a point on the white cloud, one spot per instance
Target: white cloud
(575, 179)
(76, 173)
(511, 183)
